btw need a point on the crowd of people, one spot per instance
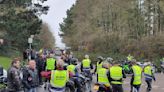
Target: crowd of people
(55, 74)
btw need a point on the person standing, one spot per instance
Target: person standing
(50, 62)
(30, 77)
(86, 65)
(116, 77)
(40, 64)
(59, 77)
(103, 77)
(99, 63)
(136, 79)
(149, 76)
(162, 65)
(14, 82)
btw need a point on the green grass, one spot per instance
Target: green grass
(5, 62)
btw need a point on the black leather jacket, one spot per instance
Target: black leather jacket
(30, 78)
(14, 80)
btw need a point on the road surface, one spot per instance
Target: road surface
(157, 86)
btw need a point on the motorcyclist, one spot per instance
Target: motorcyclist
(136, 79)
(59, 77)
(149, 76)
(99, 63)
(116, 77)
(74, 74)
(103, 78)
(86, 66)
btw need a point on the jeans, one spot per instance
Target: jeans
(149, 87)
(31, 90)
(135, 88)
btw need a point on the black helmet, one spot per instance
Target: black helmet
(73, 61)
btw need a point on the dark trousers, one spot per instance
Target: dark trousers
(135, 87)
(149, 87)
(107, 89)
(117, 88)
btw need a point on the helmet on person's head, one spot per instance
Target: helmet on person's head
(109, 59)
(73, 61)
(100, 58)
(149, 63)
(87, 56)
(133, 62)
(115, 62)
(105, 64)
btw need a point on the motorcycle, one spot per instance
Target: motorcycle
(68, 88)
(101, 88)
(3, 80)
(88, 80)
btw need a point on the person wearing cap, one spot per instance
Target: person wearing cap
(59, 77)
(103, 77)
(116, 77)
(136, 79)
(99, 63)
(149, 76)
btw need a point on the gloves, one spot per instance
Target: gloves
(154, 78)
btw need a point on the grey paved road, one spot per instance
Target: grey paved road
(157, 86)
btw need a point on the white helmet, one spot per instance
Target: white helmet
(105, 64)
(87, 56)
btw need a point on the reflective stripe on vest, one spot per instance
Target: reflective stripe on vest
(86, 63)
(99, 66)
(102, 77)
(59, 78)
(116, 74)
(71, 68)
(148, 72)
(50, 64)
(137, 70)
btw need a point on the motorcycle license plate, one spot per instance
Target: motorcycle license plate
(96, 87)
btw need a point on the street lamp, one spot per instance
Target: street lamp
(30, 40)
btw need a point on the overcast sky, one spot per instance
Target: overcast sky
(55, 16)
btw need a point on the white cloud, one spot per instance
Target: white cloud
(55, 16)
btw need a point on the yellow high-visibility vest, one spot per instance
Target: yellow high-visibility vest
(59, 78)
(102, 77)
(50, 64)
(71, 68)
(86, 63)
(137, 70)
(116, 74)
